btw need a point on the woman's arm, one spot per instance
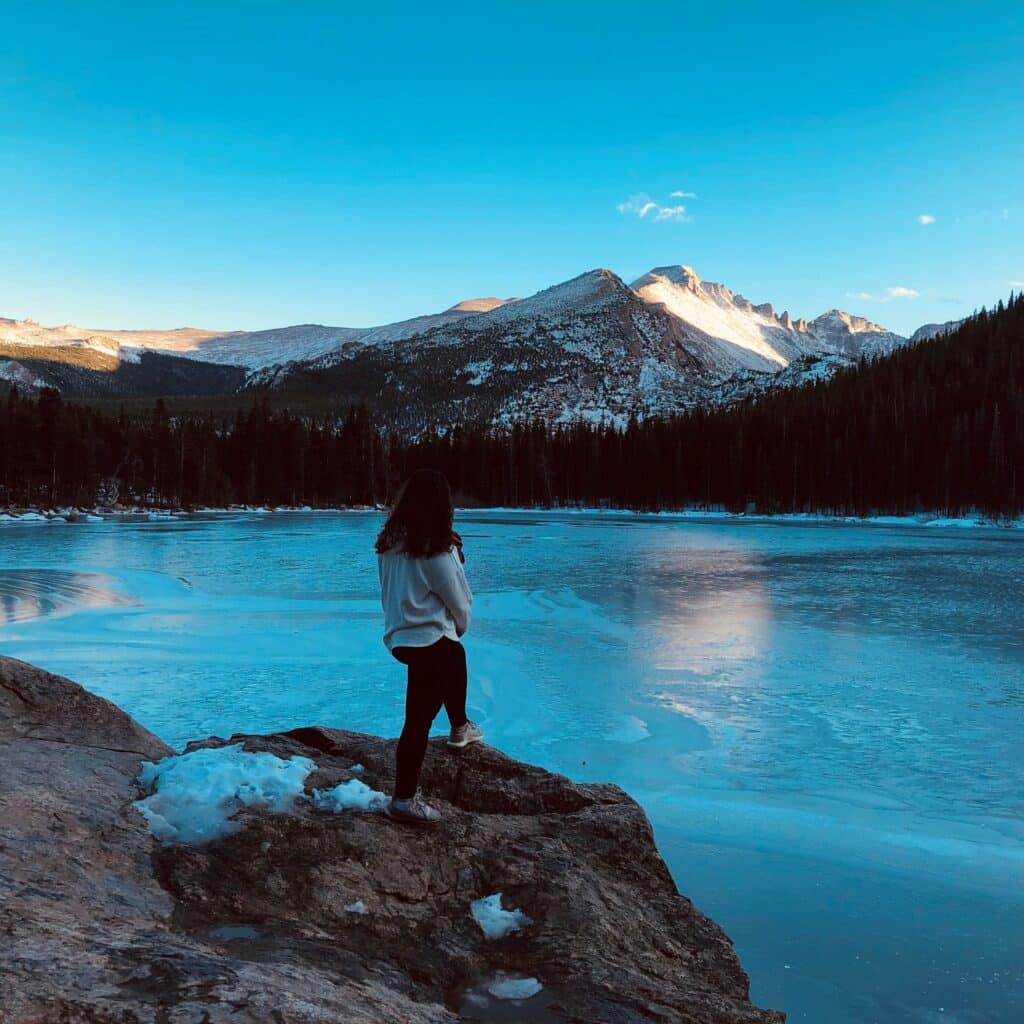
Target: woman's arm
(446, 578)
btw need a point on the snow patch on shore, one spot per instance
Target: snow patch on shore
(193, 797)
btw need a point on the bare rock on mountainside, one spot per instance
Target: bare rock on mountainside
(101, 924)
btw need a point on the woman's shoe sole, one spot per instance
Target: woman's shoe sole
(463, 745)
(415, 822)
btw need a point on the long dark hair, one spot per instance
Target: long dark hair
(420, 522)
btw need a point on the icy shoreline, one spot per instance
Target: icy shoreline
(96, 514)
(933, 519)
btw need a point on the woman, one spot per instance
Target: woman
(426, 602)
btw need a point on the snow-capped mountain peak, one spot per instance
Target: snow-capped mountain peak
(482, 305)
(586, 293)
(685, 277)
(739, 335)
(735, 333)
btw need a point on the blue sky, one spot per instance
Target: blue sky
(253, 165)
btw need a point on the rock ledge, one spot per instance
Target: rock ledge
(102, 925)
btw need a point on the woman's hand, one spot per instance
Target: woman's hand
(457, 544)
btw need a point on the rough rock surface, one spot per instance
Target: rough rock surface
(100, 924)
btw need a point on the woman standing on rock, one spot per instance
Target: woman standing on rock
(426, 602)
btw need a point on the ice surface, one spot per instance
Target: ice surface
(631, 730)
(514, 988)
(495, 922)
(29, 594)
(353, 795)
(822, 720)
(359, 907)
(193, 796)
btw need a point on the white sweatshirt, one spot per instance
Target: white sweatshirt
(424, 599)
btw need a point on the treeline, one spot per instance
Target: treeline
(938, 426)
(55, 453)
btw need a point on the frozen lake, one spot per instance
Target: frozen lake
(825, 723)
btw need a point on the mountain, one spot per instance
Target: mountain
(592, 347)
(929, 331)
(584, 349)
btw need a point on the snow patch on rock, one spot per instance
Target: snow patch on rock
(193, 797)
(514, 988)
(353, 795)
(495, 922)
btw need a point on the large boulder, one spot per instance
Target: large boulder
(100, 923)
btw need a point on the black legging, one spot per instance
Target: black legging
(437, 675)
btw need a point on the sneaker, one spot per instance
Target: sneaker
(468, 733)
(413, 812)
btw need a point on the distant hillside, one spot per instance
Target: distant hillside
(927, 331)
(92, 373)
(937, 426)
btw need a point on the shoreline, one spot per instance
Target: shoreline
(20, 514)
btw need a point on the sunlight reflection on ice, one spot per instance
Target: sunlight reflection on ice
(30, 593)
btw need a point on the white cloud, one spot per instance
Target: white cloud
(1016, 284)
(925, 218)
(897, 292)
(642, 205)
(680, 194)
(671, 213)
(1006, 214)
